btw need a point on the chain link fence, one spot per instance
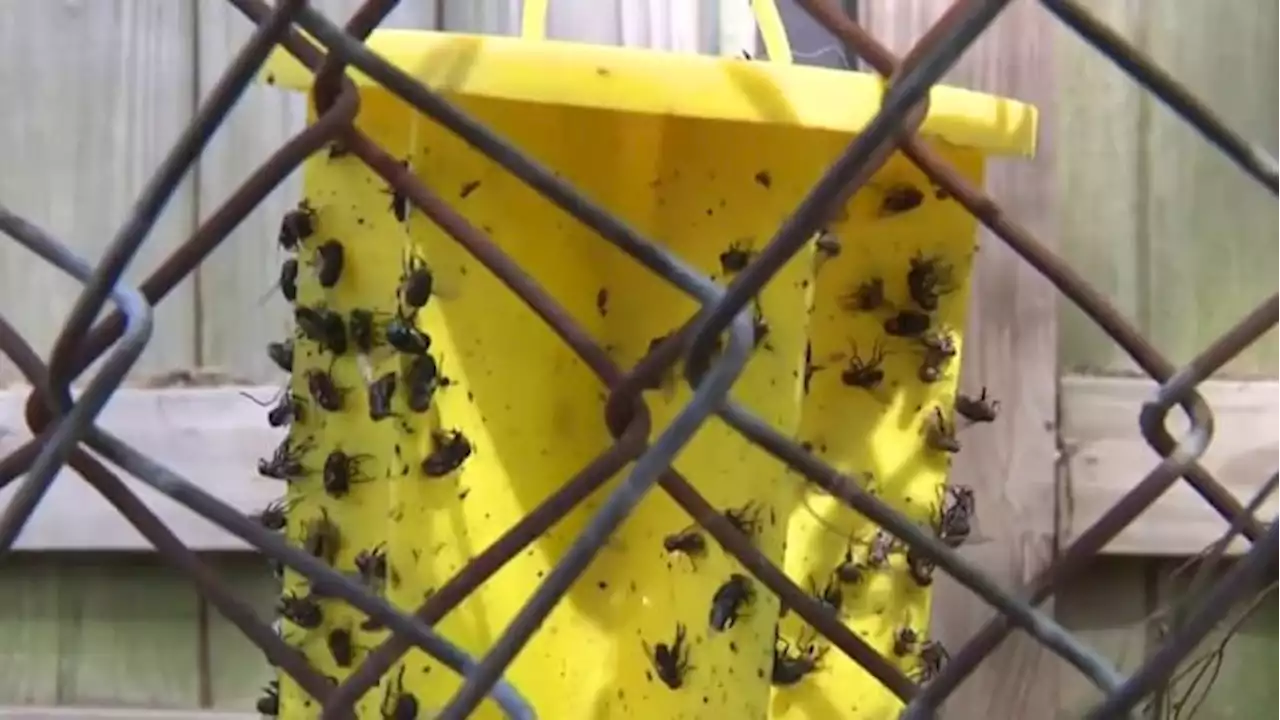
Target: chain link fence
(65, 429)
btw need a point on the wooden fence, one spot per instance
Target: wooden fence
(1184, 244)
(1167, 228)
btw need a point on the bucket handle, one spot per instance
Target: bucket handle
(533, 26)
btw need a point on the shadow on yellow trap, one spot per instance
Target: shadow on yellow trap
(858, 350)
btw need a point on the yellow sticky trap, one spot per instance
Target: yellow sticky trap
(707, 156)
(353, 208)
(879, 386)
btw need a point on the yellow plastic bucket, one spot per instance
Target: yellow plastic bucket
(706, 155)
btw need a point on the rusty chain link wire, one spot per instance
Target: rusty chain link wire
(64, 427)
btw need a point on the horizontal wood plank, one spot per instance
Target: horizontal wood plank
(214, 437)
(211, 436)
(1105, 456)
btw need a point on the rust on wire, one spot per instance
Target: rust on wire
(643, 251)
(577, 489)
(56, 421)
(113, 489)
(180, 264)
(1093, 304)
(101, 283)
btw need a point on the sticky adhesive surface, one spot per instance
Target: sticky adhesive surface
(709, 170)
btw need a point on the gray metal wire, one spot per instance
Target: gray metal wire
(62, 425)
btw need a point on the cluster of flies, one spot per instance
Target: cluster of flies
(953, 524)
(928, 280)
(731, 601)
(365, 332)
(792, 662)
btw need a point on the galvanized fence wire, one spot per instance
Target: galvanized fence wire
(64, 427)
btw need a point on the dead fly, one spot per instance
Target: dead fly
(730, 600)
(920, 567)
(281, 353)
(791, 666)
(302, 611)
(688, 542)
(955, 522)
(736, 258)
(827, 244)
(907, 323)
(831, 595)
(289, 408)
(933, 657)
(405, 337)
(274, 516)
(881, 545)
(866, 373)
(289, 279)
(341, 647)
(977, 410)
(322, 326)
(380, 394)
(372, 565)
(328, 263)
(745, 519)
(868, 296)
(932, 368)
(927, 280)
(269, 702)
(939, 347)
(809, 368)
(900, 198)
(904, 642)
(322, 539)
(449, 450)
(341, 471)
(670, 661)
(938, 342)
(939, 434)
(362, 326)
(848, 571)
(759, 328)
(398, 704)
(297, 225)
(325, 390)
(421, 380)
(415, 282)
(338, 149)
(399, 203)
(286, 463)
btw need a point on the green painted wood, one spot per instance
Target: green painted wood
(1211, 230)
(1108, 609)
(1177, 237)
(1240, 659)
(1123, 607)
(237, 669)
(97, 630)
(29, 624)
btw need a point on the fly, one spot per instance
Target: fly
(730, 601)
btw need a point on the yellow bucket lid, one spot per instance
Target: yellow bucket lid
(620, 79)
